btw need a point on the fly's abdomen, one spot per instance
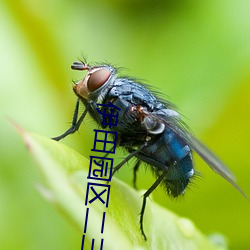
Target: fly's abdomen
(178, 176)
(180, 166)
(169, 154)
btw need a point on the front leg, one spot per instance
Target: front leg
(75, 124)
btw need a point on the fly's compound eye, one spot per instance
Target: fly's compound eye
(97, 79)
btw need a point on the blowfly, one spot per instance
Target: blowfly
(149, 128)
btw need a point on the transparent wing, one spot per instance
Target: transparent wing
(207, 155)
(175, 124)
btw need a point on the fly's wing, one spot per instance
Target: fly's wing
(208, 156)
(175, 124)
(212, 160)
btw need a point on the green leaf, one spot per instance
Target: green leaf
(65, 172)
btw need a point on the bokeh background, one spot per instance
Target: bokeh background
(195, 52)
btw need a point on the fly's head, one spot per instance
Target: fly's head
(95, 80)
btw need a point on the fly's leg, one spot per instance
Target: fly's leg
(127, 158)
(136, 167)
(106, 154)
(145, 196)
(75, 123)
(98, 117)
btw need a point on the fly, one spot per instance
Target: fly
(149, 128)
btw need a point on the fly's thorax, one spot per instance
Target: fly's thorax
(154, 122)
(152, 125)
(95, 84)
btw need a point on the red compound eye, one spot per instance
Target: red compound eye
(97, 79)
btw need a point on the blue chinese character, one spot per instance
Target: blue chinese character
(100, 168)
(105, 141)
(93, 243)
(109, 114)
(86, 221)
(105, 191)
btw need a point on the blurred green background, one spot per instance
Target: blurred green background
(195, 52)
